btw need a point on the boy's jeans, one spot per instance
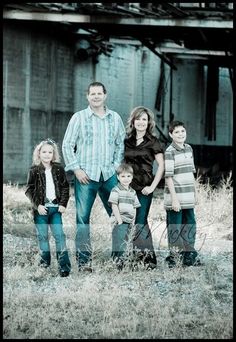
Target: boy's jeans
(85, 195)
(181, 229)
(42, 222)
(120, 234)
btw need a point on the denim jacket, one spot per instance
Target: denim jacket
(36, 185)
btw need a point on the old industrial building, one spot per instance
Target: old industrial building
(175, 58)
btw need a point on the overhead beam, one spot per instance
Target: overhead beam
(99, 19)
(153, 48)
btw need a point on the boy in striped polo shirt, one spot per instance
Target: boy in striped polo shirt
(124, 201)
(179, 197)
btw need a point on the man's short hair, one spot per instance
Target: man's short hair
(124, 168)
(97, 84)
(174, 124)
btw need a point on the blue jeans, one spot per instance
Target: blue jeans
(42, 223)
(85, 195)
(120, 234)
(143, 236)
(181, 229)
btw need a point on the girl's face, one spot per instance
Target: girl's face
(141, 123)
(46, 154)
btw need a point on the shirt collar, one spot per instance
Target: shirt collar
(177, 147)
(147, 135)
(121, 187)
(90, 111)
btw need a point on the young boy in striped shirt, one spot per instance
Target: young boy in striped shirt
(124, 201)
(179, 197)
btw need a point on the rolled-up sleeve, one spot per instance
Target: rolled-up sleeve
(119, 144)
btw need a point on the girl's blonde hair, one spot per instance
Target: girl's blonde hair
(56, 155)
(135, 114)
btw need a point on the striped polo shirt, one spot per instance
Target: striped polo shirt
(179, 164)
(93, 143)
(127, 202)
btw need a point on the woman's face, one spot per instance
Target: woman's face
(141, 123)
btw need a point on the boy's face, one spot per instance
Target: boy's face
(178, 135)
(125, 178)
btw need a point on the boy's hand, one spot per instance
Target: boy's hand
(176, 205)
(61, 209)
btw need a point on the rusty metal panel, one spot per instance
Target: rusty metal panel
(130, 75)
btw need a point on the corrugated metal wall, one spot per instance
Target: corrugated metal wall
(44, 85)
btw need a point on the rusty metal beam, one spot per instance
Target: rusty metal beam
(100, 19)
(152, 47)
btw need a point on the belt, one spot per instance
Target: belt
(48, 201)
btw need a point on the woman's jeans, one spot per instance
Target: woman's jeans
(42, 223)
(181, 229)
(143, 237)
(85, 195)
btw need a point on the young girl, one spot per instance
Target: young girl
(48, 190)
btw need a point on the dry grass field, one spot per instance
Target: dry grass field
(179, 303)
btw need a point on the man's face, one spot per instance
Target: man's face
(96, 97)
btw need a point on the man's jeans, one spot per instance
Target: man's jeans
(181, 229)
(42, 222)
(85, 195)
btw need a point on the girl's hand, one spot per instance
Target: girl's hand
(61, 209)
(42, 210)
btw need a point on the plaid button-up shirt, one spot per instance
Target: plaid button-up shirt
(94, 144)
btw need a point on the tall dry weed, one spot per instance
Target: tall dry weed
(184, 303)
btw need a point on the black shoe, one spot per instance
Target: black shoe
(85, 268)
(150, 266)
(190, 259)
(43, 264)
(119, 263)
(64, 273)
(171, 261)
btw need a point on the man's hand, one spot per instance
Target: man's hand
(82, 176)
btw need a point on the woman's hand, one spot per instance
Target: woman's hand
(147, 190)
(61, 209)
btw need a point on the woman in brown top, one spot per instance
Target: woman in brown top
(142, 148)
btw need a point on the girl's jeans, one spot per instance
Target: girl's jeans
(85, 195)
(181, 229)
(42, 223)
